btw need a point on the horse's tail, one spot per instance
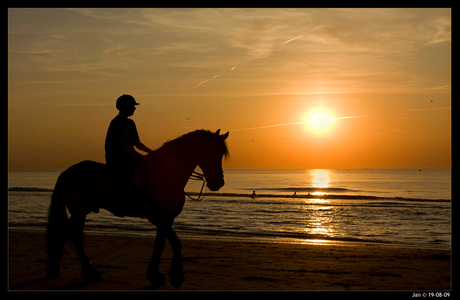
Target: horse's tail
(56, 229)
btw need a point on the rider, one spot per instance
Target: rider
(121, 157)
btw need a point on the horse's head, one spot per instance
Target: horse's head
(213, 149)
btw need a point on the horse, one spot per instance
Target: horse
(158, 196)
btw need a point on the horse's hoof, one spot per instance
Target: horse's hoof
(176, 281)
(89, 273)
(176, 274)
(176, 277)
(156, 279)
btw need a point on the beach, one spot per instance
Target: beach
(234, 264)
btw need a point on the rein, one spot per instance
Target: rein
(197, 176)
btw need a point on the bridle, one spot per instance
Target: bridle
(197, 176)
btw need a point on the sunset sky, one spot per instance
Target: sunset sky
(296, 88)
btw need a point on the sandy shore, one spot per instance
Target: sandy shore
(233, 265)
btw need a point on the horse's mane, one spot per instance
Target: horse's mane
(198, 136)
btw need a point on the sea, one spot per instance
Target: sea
(391, 207)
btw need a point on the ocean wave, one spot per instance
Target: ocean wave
(320, 196)
(277, 235)
(28, 189)
(233, 232)
(307, 189)
(310, 195)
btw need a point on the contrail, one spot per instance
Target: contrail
(269, 126)
(318, 27)
(294, 123)
(297, 37)
(215, 76)
(350, 117)
(293, 39)
(204, 81)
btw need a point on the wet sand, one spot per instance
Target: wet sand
(220, 264)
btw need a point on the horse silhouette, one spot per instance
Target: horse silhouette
(158, 196)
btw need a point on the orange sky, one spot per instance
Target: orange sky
(381, 76)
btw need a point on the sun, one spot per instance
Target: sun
(319, 120)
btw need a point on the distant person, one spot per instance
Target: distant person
(121, 157)
(253, 194)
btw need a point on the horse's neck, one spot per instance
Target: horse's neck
(172, 167)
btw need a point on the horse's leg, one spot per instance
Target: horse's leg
(153, 270)
(76, 225)
(56, 251)
(176, 274)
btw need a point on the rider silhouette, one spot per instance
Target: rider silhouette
(121, 157)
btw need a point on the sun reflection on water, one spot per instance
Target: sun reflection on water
(317, 242)
(320, 178)
(318, 211)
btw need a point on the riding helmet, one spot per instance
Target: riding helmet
(125, 101)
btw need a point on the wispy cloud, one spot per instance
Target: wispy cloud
(291, 50)
(235, 68)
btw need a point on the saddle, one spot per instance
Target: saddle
(106, 179)
(108, 183)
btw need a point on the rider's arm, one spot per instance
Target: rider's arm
(122, 145)
(142, 147)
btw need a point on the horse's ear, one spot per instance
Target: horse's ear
(217, 132)
(224, 136)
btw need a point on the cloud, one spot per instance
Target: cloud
(443, 30)
(292, 50)
(387, 30)
(106, 13)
